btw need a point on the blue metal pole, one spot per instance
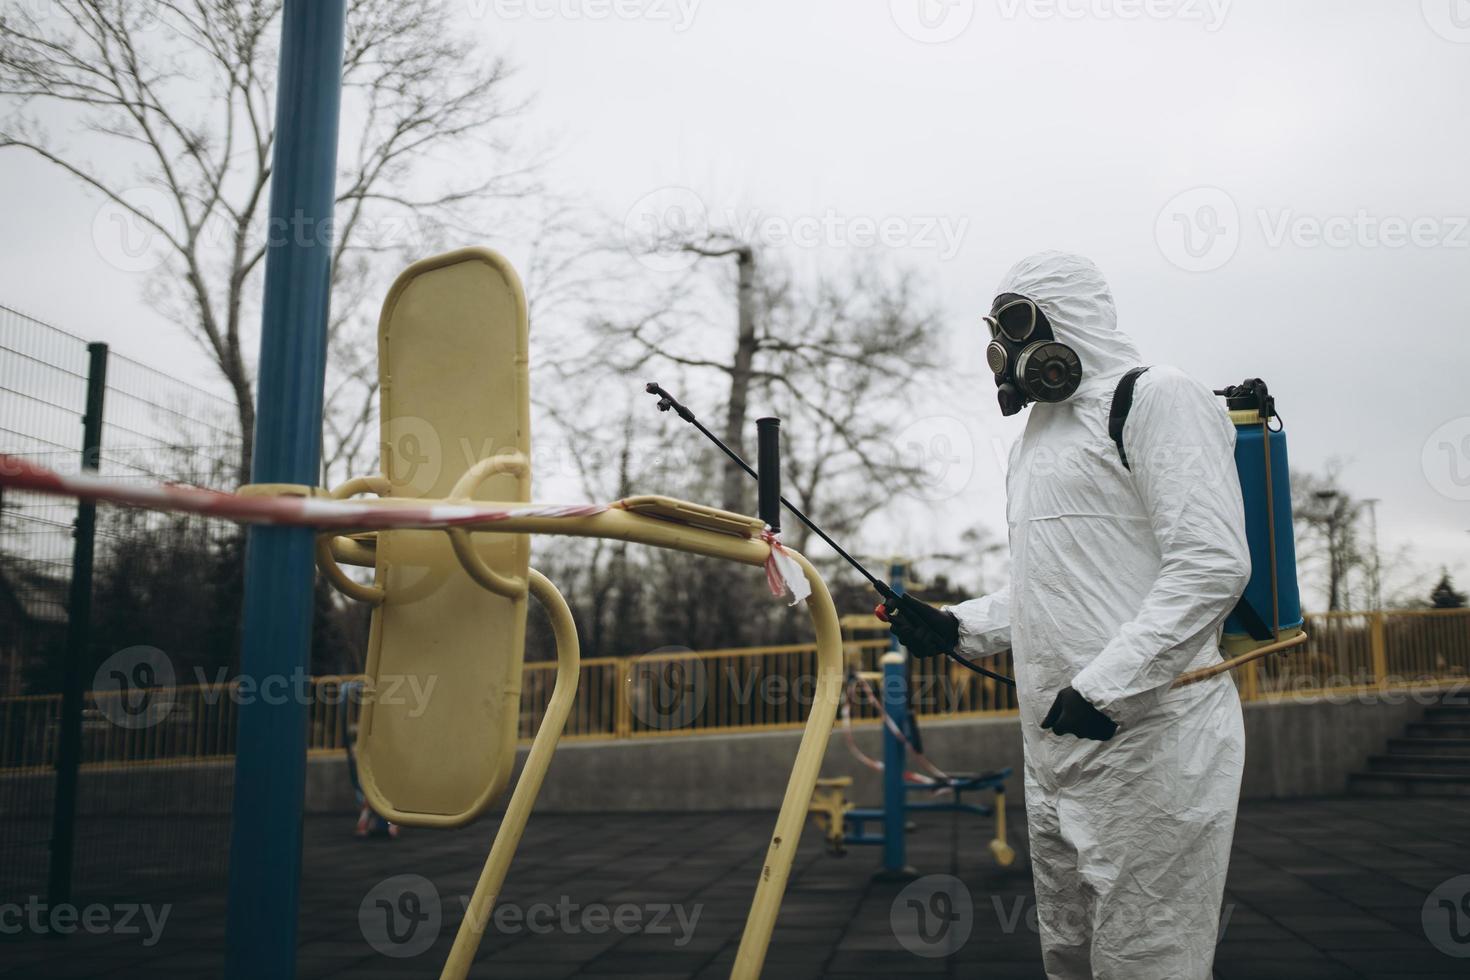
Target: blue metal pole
(895, 704)
(270, 759)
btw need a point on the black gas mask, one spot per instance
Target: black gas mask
(1029, 363)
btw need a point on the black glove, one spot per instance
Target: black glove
(1072, 714)
(924, 630)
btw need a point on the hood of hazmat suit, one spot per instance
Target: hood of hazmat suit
(1120, 581)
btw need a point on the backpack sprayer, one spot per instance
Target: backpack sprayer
(768, 456)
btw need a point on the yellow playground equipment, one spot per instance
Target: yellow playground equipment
(449, 606)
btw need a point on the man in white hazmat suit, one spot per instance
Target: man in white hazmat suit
(1121, 577)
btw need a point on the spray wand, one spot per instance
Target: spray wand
(771, 502)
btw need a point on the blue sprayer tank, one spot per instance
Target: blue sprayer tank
(1271, 603)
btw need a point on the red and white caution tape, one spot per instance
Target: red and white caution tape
(783, 574)
(852, 746)
(909, 776)
(893, 729)
(360, 515)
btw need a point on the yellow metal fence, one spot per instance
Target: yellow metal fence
(716, 691)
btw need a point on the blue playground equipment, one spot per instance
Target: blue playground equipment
(370, 823)
(270, 764)
(845, 824)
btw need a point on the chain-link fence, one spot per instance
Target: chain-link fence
(160, 581)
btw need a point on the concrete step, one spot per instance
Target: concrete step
(1439, 729)
(1430, 746)
(1404, 762)
(1449, 712)
(1408, 784)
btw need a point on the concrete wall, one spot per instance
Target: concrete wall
(1295, 747)
(748, 772)
(1308, 746)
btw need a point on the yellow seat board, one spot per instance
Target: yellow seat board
(438, 736)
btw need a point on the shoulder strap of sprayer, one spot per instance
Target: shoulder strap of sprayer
(1246, 614)
(1122, 405)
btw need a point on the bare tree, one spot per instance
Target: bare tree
(834, 356)
(183, 90)
(741, 366)
(1326, 518)
(847, 361)
(608, 596)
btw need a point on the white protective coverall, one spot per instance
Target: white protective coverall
(1120, 582)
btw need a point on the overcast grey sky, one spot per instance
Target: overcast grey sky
(1274, 189)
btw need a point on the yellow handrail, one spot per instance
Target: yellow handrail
(743, 689)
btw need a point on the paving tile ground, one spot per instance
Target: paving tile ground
(1332, 888)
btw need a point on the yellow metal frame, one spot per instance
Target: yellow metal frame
(1000, 848)
(513, 824)
(465, 296)
(828, 809)
(621, 524)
